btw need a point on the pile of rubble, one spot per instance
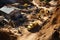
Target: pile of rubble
(29, 14)
(21, 13)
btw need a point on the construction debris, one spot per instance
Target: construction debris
(29, 20)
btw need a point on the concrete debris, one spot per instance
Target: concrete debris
(29, 20)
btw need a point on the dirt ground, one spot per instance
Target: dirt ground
(50, 31)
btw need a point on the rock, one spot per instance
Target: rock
(53, 3)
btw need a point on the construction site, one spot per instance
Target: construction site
(29, 19)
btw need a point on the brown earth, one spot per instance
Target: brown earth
(50, 31)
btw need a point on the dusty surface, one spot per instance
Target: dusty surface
(49, 31)
(45, 33)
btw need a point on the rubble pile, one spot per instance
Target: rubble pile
(19, 18)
